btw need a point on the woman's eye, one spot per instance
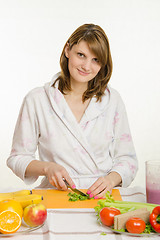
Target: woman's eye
(95, 60)
(80, 54)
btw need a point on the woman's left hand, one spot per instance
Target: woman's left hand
(104, 184)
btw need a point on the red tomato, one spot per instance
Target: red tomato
(107, 215)
(135, 225)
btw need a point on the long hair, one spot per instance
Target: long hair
(98, 43)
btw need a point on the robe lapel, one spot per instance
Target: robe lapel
(62, 110)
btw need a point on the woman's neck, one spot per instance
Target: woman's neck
(78, 89)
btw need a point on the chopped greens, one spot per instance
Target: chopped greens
(73, 197)
(103, 233)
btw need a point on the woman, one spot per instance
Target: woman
(78, 122)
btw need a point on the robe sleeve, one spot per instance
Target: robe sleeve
(122, 151)
(25, 141)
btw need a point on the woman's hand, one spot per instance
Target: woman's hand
(55, 174)
(53, 171)
(104, 184)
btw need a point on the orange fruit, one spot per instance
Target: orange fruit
(11, 205)
(10, 222)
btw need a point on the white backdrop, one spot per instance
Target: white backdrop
(32, 35)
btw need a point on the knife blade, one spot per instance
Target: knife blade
(75, 189)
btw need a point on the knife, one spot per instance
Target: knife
(75, 189)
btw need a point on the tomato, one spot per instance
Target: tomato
(135, 225)
(107, 215)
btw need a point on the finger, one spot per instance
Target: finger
(69, 180)
(61, 183)
(102, 193)
(94, 188)
(51, 181)
(99, 186)
(54, 182)
(99, 189)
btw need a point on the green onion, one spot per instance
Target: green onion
(73, 197)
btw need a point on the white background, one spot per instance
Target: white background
(32, 35)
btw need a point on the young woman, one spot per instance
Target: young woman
(78, 123)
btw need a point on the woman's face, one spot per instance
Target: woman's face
(83, 65)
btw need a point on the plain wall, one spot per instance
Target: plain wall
(32, 35)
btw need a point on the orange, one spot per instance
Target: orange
(10, 222)
(11, 205)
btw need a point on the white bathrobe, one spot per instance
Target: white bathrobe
(99, 144)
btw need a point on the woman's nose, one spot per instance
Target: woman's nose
(86, 65)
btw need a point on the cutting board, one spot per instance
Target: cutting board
(58, 199)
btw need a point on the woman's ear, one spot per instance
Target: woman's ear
(66, 50)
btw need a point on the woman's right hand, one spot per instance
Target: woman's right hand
(55, 174)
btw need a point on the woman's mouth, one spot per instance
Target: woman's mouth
(82, 72)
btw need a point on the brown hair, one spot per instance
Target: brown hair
(99, 45)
